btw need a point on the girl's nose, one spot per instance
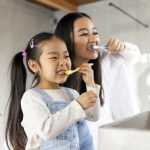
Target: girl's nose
(62, 62)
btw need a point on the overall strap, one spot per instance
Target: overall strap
(46, 97)
(69, 93)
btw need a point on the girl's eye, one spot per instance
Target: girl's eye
(67, 56)
(53, 58)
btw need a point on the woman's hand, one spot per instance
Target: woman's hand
(87, 74)
(115, 45)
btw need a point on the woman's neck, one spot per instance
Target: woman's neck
(78, 62)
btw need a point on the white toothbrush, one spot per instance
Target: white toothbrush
(101, 47)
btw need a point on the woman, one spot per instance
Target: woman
(110, 67)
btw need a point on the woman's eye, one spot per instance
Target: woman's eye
(95, 33)
(84, 34)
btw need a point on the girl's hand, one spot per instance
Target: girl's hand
(87, 99)
(87, 74)
(115, 45)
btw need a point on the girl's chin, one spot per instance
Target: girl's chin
(63, 80)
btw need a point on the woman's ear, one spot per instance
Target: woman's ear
(33, 65)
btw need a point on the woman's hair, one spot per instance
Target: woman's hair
(15, 134)
(63, 30)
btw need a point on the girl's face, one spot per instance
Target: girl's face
(85, 34)
(53, 62)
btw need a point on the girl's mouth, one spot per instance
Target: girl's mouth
(61, 72)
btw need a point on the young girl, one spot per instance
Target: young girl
(48, 116)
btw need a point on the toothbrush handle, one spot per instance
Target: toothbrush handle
(105, 47)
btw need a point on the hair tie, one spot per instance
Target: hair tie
(32, 44)
(24, 53)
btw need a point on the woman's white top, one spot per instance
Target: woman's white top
(120, 102)
(119, 98)
(39, 123)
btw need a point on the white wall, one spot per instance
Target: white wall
(19, 21)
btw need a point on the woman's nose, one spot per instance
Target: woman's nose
(93, 38)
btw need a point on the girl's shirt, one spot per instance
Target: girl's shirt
(40, 124)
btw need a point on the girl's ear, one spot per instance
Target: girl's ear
(33, 65)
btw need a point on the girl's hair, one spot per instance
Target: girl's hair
(64, 30)
(15, 134)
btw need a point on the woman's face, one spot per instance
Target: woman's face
(85, 34)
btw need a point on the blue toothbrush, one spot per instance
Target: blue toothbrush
(101, 47)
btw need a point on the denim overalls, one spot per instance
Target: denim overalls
(75, 137)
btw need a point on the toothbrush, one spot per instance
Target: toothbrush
(68, 72)
(102, 47)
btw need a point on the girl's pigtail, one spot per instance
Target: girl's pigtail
(15, 134)
(14, 131)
